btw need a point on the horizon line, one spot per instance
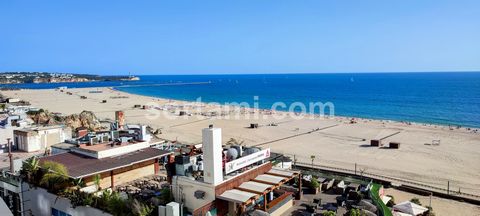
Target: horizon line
(280, 73)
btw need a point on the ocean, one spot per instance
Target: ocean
(438, 98)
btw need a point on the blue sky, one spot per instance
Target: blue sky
(244, 36)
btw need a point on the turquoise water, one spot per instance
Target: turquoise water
(440, 98)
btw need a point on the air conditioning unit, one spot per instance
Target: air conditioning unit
(105, 138)
(93, 140)
(199, 194)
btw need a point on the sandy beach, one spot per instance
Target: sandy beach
(334, 141)
(440, 206)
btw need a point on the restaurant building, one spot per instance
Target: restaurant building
(232, 180)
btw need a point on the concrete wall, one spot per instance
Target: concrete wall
(105, 180)
(40, 202)
(118, 150)
(123, 150)
(133, 174)
(123, 175)
(183, 190)
(283, 208)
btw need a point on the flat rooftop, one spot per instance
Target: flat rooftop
(39, 128)
(106, 146)
(5, 161)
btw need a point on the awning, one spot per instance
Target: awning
(271, 179)
(280, 172)
(235, 195)
(255, 186)
(385, 199)
(247, 191)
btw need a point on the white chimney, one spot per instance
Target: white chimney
(212, 155)
(143, 133)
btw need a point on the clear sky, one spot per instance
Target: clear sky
(243, 36)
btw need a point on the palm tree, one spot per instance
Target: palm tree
(55, 177)
(30, 168)
(78, 183)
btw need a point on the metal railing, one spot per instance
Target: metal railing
(407, 182)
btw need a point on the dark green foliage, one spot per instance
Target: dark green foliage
(329, 213)
(116, 206)
(430, 211)
(374, 195)
(54, 177)
(314, 183)
(138, 208)
(30, 168)
(31, 112)
(166, 196)
(416, 201)
(356, 212)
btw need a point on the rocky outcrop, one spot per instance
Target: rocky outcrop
(86, 119)
(44, 118)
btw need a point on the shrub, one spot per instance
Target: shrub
(430, 211)
(116, 205)
(56, 177)
(329, 213)
(166, 196)
(314, 183)
(356, 212)
(138, 208)
(416, 201)
(88, 199)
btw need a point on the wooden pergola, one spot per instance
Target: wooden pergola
(260, 186)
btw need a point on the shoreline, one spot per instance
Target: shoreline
(342, 145)
(468, 128)
(411, 123)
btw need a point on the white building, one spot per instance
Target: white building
(40, 138)
(216, 183)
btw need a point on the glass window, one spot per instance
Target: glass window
(56, 212)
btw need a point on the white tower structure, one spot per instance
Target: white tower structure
(212, 155)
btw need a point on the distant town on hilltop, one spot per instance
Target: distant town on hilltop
(47, 77)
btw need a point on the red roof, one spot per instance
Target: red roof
(79, 166)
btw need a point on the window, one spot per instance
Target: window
(56, 212)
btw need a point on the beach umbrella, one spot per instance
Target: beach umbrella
(410, 208)
(401, 214)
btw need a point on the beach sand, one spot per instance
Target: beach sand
(440, 206)
(342, 144)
